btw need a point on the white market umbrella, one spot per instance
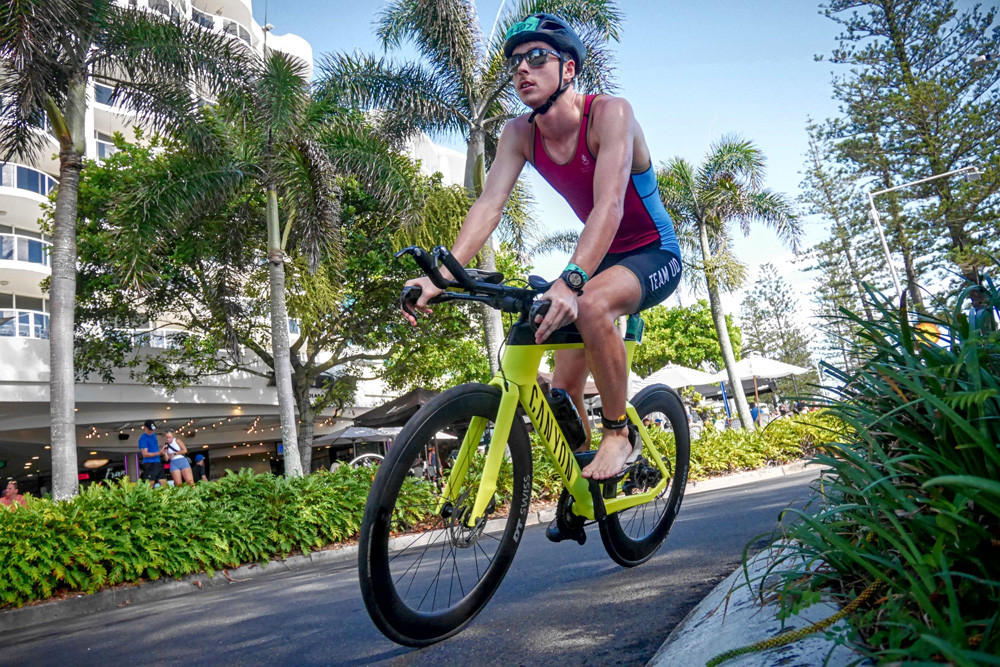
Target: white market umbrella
(676, 376)
(757, 367)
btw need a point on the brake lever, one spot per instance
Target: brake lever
(426, 264)
(455, 267)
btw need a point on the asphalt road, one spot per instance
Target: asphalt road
(560, 604)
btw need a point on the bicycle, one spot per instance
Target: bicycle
(414, 535)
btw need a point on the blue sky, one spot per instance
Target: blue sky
(693, 72)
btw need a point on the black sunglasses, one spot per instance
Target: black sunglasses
(535, 58)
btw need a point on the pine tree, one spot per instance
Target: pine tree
(912, 109)
(769, 314)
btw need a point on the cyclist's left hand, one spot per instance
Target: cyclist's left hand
(562, 311)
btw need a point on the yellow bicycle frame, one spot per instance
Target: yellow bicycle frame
(518, 383)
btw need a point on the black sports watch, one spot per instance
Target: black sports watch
(574, 278)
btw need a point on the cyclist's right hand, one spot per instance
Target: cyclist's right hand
(428, 290)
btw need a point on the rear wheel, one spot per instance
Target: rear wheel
(632, 536)
(425, 573)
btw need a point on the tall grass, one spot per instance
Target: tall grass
(913, 497)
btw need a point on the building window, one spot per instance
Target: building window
(103, 94)
(202, 19)
(161, 6)
(26, 178)
(22, 248)
(23, 323)
(236, 30)
(105, 149)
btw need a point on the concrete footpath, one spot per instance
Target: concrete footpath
(162, 589)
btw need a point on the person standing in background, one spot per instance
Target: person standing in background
(149, 449)
(11, 496)
(198, 469)
(180, 466)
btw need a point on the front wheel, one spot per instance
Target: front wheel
(632, 536)
(424, 571)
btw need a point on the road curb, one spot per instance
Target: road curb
(732, 617)
(164, 589)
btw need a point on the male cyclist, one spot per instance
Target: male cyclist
(592, 151)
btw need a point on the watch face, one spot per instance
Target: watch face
(574, 279)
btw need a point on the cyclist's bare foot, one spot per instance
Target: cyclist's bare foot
(610, 457)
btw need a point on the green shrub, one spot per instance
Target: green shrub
(912, 505)
(716, 453)
(781, 441)
(129, 532)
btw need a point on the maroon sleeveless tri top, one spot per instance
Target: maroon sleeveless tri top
(644, 220)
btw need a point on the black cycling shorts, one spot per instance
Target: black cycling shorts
(658, 271)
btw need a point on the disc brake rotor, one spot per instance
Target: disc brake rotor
(463, 536)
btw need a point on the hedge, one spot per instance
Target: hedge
(126, 532)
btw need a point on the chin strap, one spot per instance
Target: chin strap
(553, 97)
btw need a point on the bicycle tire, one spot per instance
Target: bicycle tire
(624, 534)
(389, 588)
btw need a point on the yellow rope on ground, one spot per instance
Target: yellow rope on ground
(795, 635)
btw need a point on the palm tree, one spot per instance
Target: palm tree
(704, 202)
(277, 142)
(460, 85)
(49, 51)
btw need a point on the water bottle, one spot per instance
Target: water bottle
(567, 417)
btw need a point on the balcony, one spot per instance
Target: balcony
(18, 248)
(221, 24)
(27, 179)
(24, 324)
(237, 10)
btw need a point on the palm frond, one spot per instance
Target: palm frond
(517, 224)
(282, 96)
(37, 57)
(446, 32)
(182, 186)
(732, 158)
(774, 210)
(185, 54)
(308, 185)
(364, 82)
(562, 241)
(357, 149)
(679, 193)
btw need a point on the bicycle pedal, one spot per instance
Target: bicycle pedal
(554, 534)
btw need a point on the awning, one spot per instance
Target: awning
(351, 435)
(397, 411)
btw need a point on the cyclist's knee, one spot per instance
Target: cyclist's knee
(593, 313)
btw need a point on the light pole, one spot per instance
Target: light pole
(971, 172)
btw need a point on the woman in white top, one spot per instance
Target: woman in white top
(180, 466)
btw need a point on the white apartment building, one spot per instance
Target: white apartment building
(232, 420)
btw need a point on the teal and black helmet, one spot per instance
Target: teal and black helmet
(550, 29)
